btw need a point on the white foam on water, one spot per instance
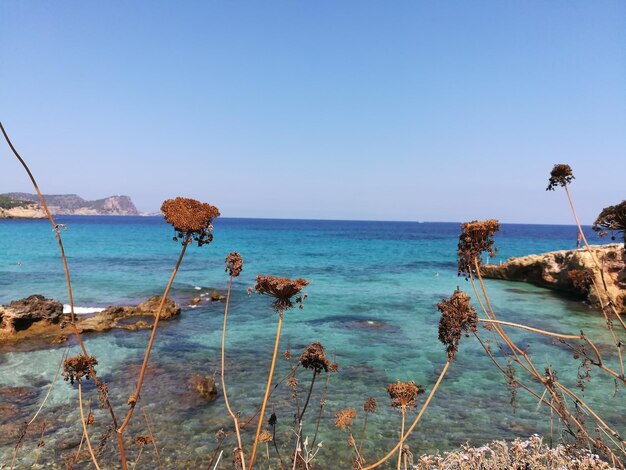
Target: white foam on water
(82, 310)
(197, 288)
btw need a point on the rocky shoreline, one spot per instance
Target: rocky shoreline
(41, 319)
(571, 271)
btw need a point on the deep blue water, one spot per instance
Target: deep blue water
(392, 273)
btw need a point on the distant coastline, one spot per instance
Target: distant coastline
(26, 206)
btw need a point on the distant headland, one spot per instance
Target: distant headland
(26, 205)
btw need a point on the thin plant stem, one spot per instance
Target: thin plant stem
(154, 444)
(82, 420)
(68, 283)
(530, 328)
(401, 438)
(363, 432)
(308, 397)
(222, 371)
(267, 390)
(415, 421)
(144, 366)
(138, 457)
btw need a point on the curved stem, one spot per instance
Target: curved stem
(82, 420)
(144, 366)
(417, 419)
(530, 328)
(230, 411)
(68, 282)
(267, 390)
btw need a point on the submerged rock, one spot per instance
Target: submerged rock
(203, 386)
(216, 296)
(571, 271)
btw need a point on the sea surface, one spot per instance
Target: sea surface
(371, 303)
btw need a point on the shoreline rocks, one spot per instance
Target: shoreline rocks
(36, 317)
(571, 271)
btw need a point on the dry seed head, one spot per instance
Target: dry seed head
(272, 420)
(561, 175)
(282, 289)
(476, 238)
(77, 367)
(234, 264)
(292, 382)
(314, 358)
(265, 436)
(142, 440)
(457, 316)
(343, 418)
(190, 218)
(370, 405)
(613, 219)
(403, 394)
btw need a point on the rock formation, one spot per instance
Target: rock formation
(571, 271)
(41, 318)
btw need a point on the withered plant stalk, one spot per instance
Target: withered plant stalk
(68, 282)
(230, 411)
(84, 423)
(415, 421)
(267, 389)
(144, 366)
(400, 444)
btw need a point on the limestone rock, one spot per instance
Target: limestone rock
(216, 296)
(554, 270)
(204, 386)
(21, 314)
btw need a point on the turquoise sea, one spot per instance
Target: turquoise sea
(371, 303)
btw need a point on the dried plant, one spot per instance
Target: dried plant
(476, 238)
(404, 394)
(234, 264)
(77, 367)
(612, 219)
(282, 289)
(191, 219)
(561, 175)
(314, 358)
(457, 316)
(344, 418)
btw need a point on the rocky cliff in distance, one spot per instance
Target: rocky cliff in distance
(71, 204)
(571, 271)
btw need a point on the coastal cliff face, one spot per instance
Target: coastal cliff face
(571, 271)
(71, 204)
(30, 211)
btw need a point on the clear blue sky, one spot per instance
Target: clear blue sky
(403, 110)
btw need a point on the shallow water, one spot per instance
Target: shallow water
(372, 303)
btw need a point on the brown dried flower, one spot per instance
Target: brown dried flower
(475, 238)
(142, 440)
(561, 175)
(190, 218)
(90, 419)
(343, 418)
(612, 218)
(457, 316)
(582, 279)
(333, 367)
(292, 382)
(234, 264)
(265, 436)
(282, 289)
(403, 394)
(315, 359)
(287, 355)
(370, 405)
(77, 367)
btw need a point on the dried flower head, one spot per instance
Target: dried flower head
(77, 367)
(582, 279)
(476, 238)
(142, 440)
(343, 418)
(265, 436)
(282, 289)
(234, 264)
(370, 405)
(314, 358)
(190, 218)
(561, 175)
(333, 367)
(287, 355)
(404, 394)
(613, 219)
(292, 382)
(457, 316)
(91, 419)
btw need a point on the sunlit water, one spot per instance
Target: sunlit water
(372, 303)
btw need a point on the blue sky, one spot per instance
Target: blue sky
(404, 110)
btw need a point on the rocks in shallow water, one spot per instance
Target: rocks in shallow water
(216, 296)
(203, 386)
(21, 314)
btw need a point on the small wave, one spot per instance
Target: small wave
(82, 310)
(197, 288)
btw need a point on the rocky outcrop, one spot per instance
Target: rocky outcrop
(29, 211)
(571, 271)
(72, 204)
(39, 318)
(21, 314)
